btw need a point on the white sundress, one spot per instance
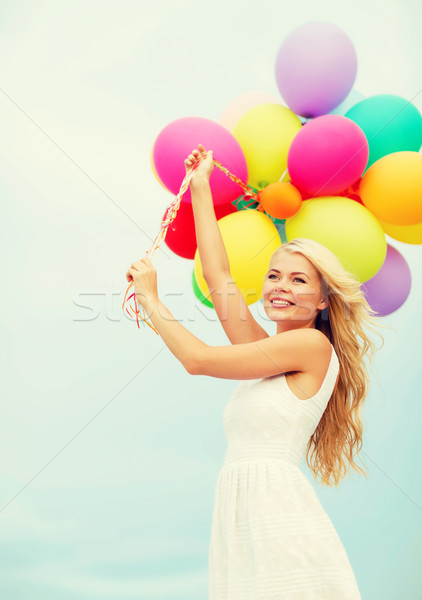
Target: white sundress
(271, 539)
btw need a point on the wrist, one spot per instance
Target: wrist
(200, 181)
(148, 302)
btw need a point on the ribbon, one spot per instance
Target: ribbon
(250, 196)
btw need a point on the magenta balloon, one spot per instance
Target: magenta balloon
(388, 289)
(179, 138)
(327, 155)
(315, 68)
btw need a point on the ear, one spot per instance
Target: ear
(323, 304)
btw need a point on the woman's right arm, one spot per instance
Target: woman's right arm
(212, 252)
(229, 304)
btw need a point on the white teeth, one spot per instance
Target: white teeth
(281, 302)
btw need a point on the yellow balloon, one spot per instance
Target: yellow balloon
(409, 234)
(392, 188)
(250, 238)
(346, 228)
(265, 133)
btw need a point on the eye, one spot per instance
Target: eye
(299, 278)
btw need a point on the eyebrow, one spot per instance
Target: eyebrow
(292, 273)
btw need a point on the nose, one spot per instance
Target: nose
(281, 285)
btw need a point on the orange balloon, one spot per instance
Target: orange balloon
(392, 188)
(280, 200)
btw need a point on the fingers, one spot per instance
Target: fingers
(192, 158)
(137, 264)
(139, 267)
(197, 155)
(131, 272)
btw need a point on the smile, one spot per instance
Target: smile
(281, 303)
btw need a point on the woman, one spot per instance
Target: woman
(301, 390)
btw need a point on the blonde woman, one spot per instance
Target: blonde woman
(301, 392)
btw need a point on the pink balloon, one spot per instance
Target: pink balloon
(179, 138)
(241, 104)
(327, 155)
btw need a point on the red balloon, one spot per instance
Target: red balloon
(351, 192)
(181, 236)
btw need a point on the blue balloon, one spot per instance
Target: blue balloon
(390, 124)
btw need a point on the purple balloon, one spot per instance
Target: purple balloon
(315, 68)
(388, 289)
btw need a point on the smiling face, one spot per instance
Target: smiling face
(292, 277)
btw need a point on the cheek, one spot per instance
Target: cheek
(266, 288)
(305, 293)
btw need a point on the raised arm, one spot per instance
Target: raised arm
(229, 304)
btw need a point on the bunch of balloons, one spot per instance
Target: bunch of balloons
(331, 165)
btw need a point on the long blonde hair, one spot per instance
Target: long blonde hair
(338, 436)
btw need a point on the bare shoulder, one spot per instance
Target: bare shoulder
(314, 346)
(323, 353)
(307, 337)
(304, 383)
(319, 340)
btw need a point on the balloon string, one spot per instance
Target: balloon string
(168, 218)
(239, 182)
(281, 178)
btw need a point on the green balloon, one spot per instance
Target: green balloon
(198, 292)
(241, 203)
(390, 124)
(281, 228)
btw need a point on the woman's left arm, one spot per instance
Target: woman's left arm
(181, 342)
(292, 350)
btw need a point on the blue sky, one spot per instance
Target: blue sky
(110, 449)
